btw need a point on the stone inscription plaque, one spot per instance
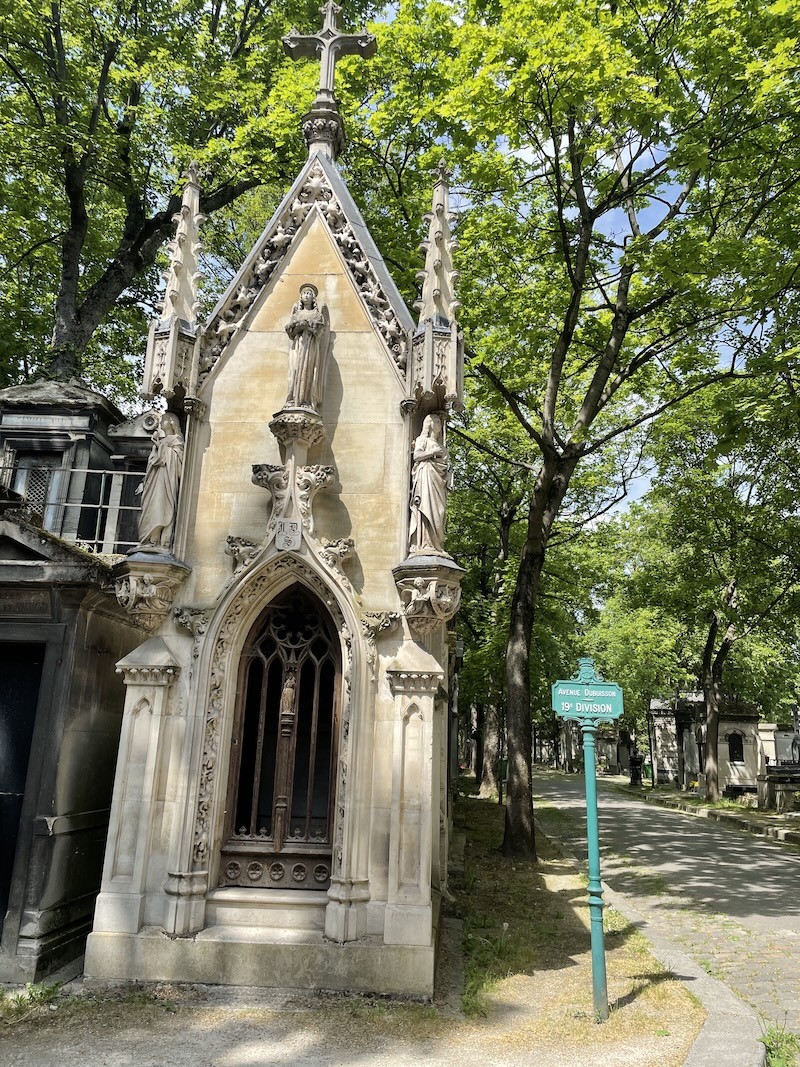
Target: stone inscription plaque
(25, 602)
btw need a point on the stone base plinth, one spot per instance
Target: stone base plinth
(248, 956)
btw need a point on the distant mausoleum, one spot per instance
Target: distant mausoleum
(679, 737)
(71, 466)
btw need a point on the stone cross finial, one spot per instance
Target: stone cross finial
(329, 44)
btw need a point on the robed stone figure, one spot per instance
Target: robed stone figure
(428, 488)
(159, 490)
(309, 329)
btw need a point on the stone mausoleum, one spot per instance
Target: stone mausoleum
(280, 804)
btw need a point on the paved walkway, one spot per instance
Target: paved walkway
(730, 901)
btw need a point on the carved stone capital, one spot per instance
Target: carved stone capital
(194, 407)
(429, 588)
(295, 425)
(323, 127)
(186, 883)
(145, 584)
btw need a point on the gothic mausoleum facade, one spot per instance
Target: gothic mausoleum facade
(280, 804)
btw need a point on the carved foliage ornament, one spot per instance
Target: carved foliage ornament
(195, 620)
(258, 589)
(242, 551)
(292, 499)
(315, 194)
(373, 624)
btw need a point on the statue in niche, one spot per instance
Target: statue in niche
(159, 489)
(309, 329)
(428, 488)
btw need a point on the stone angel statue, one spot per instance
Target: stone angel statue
(310, 330)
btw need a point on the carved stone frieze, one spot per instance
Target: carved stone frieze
(316, 194)
(224, 642)
(141, 675)
(242, 550)
(145, 585)
(416, 682)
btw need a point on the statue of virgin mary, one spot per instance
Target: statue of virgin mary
(309, 329)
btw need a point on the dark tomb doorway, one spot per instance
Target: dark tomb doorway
(285, 734)
(20, 678)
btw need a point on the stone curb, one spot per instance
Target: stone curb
(731, 1033)
(739, 822)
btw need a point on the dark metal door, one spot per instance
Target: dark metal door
(20, 679)
(280, 803)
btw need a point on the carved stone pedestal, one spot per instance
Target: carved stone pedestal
(146, 582)
(430, 590)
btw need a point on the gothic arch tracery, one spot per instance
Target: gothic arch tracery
(226, 639)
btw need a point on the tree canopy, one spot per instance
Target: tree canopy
(627, 175)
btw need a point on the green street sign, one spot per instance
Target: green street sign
(586, 696)
(588, 700)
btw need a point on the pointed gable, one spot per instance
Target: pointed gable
(319, 191)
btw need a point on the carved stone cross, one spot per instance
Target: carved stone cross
(329, 44)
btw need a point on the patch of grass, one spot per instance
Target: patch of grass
(782, 1046)
(35, 995)
(526, 942)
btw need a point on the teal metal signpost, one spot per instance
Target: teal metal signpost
(588, 700)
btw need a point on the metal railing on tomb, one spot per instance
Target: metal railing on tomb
(93, 508)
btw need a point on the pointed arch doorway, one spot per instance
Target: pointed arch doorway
(280, 803)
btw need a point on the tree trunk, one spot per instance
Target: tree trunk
(711, 767)
(476, 736)
(711, 677)
(548, 493)
(490, 764)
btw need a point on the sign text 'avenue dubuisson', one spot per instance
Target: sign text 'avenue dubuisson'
(586, 695)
